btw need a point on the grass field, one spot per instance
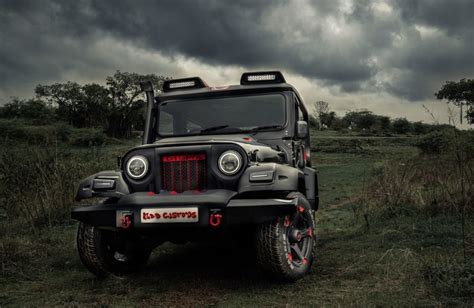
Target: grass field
(361, 260)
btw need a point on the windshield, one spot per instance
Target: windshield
(222, 115)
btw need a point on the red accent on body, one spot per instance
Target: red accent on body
(175, 178)
(188, 170)
(172, 179)
(196, 179)
(165, 185)
(180, 158)
(180, 175)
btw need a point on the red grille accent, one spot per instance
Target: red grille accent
(184, 172)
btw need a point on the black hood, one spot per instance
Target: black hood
(263, 152)
(207, 138)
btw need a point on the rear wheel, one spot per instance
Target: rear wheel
(286, 247)
(105, 252)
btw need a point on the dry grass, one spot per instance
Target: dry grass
(38, 184)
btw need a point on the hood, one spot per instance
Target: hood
(208, 138)
(261, 152)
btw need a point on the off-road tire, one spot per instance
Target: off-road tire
(97, 256)
(274, 252)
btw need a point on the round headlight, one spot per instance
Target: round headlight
(137, 166)
(230, 162)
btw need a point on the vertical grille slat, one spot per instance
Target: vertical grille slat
(183, 172)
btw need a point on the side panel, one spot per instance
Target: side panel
(311, 186)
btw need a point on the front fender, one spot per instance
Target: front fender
(109, 184)
(269, 177)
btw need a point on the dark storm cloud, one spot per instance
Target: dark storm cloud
(406, 48)
(454, 17)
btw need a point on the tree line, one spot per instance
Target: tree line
(116, 107)
(459, 94)
(364, 120)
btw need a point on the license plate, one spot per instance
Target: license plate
(170, 215)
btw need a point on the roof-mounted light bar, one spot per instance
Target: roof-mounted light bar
(183, 84)
(262, 77)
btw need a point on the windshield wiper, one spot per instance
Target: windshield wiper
(256, 129)
(212, 128)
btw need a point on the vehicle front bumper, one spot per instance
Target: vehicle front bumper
(127, 213)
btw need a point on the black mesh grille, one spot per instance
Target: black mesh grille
(184, 172)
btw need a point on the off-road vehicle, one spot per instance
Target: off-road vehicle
(213, 159)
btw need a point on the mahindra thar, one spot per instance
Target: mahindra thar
(212, 159)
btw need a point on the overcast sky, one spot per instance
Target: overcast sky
(386, 56)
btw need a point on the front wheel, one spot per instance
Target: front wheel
(105, 252)
(286, 247)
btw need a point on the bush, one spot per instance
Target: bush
(22, 131)
(38, 184)
(87, 137)
(436, 142)
(401, 126)
(427, 183)
(38, 111)
(451, 277)
(447, 141)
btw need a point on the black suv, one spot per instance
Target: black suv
(213, 159)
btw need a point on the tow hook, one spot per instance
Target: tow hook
(124, 219)
(215, 219)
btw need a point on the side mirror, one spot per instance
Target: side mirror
(301, 129)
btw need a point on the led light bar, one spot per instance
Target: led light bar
(183, 84)
(262, 77)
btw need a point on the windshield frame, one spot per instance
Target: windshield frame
(284, 126)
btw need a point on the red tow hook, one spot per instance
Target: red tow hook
(126, 221)
(215, 220)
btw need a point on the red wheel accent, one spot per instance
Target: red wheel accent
(305, 261)
(290, 257)
(150, 193)
(300, 209)
(310, 232)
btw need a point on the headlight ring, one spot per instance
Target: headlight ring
(137, 167)
(230, 162)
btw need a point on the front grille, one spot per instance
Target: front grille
(184, 172)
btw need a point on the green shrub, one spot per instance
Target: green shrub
(451, 277)
(87, 137)
(436, 142)
(447, 141)
(38, 184)
(439, 180)
(22, 131)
